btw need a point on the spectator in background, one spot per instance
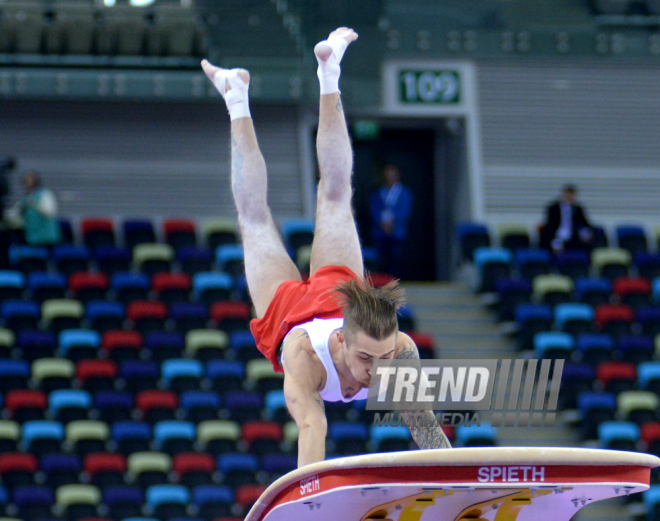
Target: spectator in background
(37, 212)
(566, 226)
(390, 211)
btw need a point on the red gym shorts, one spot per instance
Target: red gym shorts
(296, 303)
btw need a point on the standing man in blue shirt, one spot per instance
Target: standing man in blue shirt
(391, 205)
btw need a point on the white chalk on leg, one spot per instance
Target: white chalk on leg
(236, 98)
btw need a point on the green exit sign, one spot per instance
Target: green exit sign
(442, 87)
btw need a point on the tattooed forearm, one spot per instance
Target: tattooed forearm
(319, 400)
(425, 430)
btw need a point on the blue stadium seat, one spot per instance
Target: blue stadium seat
(167, 501)
(213, 501)
(200, 406)
(406, 318)
(573, 263)
(595, 408)
(181, 374)
(12, 284)
(139, 375)
(138, 231)
(575, 379)
(243, 345)
(131, 436)
(649, 319)
(42, 436)
(618, 435)
(492, 264)
(593, 291)
(129, 287)
(349, 438)
(511, 293)
(470, 237)
(648, 264)
(194, 259)
(123, 501)
(113, 406)
(574, 317)
(553, 344)
(13, 374)
(531, 319)
(174, 437)
(105, 315)
(595, 348)
(70, 258)
(27, 259)
(189, 315)
(33, 501)
(483, 435)
(36, 344)
(209, 287)
(238, 468)
(651, 498)
(44, 286)
(67, 405)
(229, 259)
(19, 315)
(243, 406)
(79, 344)
(390, 439)
(60, 469)
(112, 259)
(163, 345)
(226, 375)
(277, 464)
(276, 406)
(297, 233)
(648, 376)
(532, 262)
(635, 349)
(631, 238)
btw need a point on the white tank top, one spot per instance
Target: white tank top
(319, 331)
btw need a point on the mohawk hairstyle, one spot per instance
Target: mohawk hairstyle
(370, 309)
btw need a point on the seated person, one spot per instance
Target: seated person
(566, 226)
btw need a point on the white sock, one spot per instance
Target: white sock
(328, 71)
(236, 98)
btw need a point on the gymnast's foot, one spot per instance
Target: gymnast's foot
(329, 54)
(233, 85)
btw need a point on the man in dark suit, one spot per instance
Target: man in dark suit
(566, 226)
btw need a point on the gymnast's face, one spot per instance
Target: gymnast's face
(360, 351)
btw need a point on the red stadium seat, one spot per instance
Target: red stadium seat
(171, 287)
(194, 468)
(88, 286)
(26, 404)
(231, 315)
(614, 319)
(616, 376)
(179, 233)
(380, 279)
(97, 375)
(105, 468)
(122, 345)
(98, 232)
(247, 495)
(633, 291)
(157, 405)
(18, 462)
(147, 316)
(263, 437)
(650, 432)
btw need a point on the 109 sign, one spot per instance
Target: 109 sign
(430, 87)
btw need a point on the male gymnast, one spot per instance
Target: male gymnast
(326, 332)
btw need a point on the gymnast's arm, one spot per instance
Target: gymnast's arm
(422, 424)
(302, 379)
